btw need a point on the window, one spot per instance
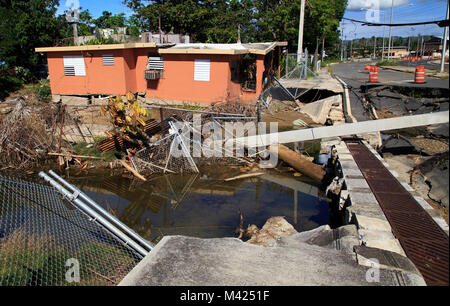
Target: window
(108, 59)
(234, 69)
(74, 65)
(155, 63)
(202, 69)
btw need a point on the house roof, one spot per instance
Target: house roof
(97, 47)
(195, 48)
(203, 48)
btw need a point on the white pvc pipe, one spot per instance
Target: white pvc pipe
(96, 216)
(344, 129)
(101, 210)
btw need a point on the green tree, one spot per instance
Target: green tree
(265, 20)
(25, 25)
(108, 20)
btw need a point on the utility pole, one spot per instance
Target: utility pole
(409, 43)
(300, 31)
(421, 46)
(239, 34)
(384, 30)
(418, 43)
(444, 43)
(351, 49)
(159, 26)
(342, 43)
(390, 29)
(374, 46)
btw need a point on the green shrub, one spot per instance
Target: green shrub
(43, 92)
(83, 149)
(387, 63)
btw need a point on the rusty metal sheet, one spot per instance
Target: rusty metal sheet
(424, 242)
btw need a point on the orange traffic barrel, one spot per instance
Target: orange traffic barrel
(367, 67)
(420, 75)
(373, 74)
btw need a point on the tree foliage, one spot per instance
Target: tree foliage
(25, 25)
(264, 20)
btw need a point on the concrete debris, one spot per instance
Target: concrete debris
(274, 228)
(318, 111)
(397, 144)
(436, 171)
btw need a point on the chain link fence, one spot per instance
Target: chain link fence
(302, 69)
(45, 241)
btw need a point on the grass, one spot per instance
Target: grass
(84, 148)
(387, 63)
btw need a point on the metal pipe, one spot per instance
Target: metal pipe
(101, 210)
(236, 118)
(190, 110)
(444, 44)
(390, 30)
(73, 198)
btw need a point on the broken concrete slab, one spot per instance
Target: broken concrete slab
(372, 224)
(343, 238)
(318, 111)
(412, 104)
(399, 145)
(440, 130)
(74, 100)
(181, 261)
(389, 94)
(386, 259)
(439, 188)
(365, 204)
(356, 184)
(436, 172)
(381, 239)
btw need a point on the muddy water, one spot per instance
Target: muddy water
(203, 205)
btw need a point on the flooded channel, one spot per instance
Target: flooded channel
(203, 205)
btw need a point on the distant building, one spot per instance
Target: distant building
(204, 73)
(432, 46)
(396, 53)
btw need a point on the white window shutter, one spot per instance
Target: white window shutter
(74, 65)
(202, 70)
(155, 63)
(108, 59)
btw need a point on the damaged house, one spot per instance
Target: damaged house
(205, 73)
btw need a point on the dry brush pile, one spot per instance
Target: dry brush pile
(28, 133)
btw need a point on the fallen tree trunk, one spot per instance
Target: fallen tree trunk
(299, 162)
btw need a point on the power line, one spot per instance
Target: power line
(440, 23)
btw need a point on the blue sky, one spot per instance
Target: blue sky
(404, 11)
(96, 7)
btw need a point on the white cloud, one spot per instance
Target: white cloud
(361, 5)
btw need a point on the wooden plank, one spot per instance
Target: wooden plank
(135, 173)
(96, 47)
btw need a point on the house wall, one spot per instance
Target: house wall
(178, 82)
(99, 79)
(127, 74)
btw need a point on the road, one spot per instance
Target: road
(355, 76)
